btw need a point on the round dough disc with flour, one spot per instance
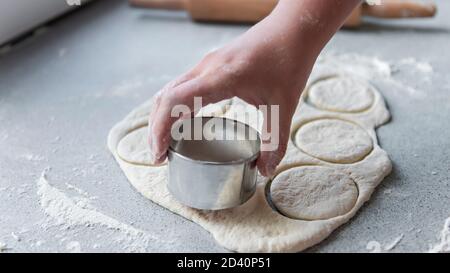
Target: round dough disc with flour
(341, 94)
(313, 193)
(134, 149)
(334, 140)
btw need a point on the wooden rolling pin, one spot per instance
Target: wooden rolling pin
(252, 11)
(391, 9)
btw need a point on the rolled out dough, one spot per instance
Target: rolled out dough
(255, 226)
(334, 140)
(313, 193)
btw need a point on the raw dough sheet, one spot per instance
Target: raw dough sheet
(258, 226)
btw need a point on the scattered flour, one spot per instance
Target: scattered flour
(376, 247)
(395, 193)
(373, 247)
(76, 189)
(73, 247)
(394, 243)
(32, 157)
(3, 247)
(405, 88)
(77, 172)
(51, 120)
(22, 189)
(127, 88)
(357, 65)
(15, 237)
(91, 158)
(56, 139)
(69, 213)
(373, 68)
(444, 245)
(423, 67)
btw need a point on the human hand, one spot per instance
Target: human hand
(268, 65)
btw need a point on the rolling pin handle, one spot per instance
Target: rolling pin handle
(400, 9)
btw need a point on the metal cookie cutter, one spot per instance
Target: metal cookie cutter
(217, 170)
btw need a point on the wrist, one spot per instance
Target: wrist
(313, 22)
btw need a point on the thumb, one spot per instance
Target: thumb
(274, 140)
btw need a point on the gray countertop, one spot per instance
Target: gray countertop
(64, 88)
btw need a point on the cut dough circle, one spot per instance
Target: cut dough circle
(334, 140)
(313, 193)
(134, 149)
(341, 94)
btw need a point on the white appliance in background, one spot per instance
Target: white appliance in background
(19, 16)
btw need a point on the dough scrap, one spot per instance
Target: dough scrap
(334, 140)
(313, 193)
(341, 94)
